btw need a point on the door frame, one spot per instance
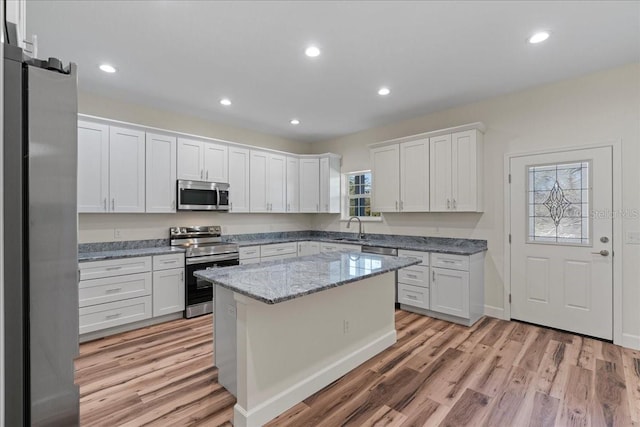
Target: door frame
(616, 169)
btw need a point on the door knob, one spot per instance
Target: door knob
(603, 252)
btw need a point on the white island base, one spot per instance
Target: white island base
(283, 353)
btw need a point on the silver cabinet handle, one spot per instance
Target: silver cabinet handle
(110, 291)
(401, 205)
(413, 276)
(454, 203)
(603, 252)
(112, 316)
(231, 206)
(207, 177)
(317, 207)
(412, 297)
(113, 204)
(201, 173)
(326, 207)
(172, 261)
(182, 275)
(396, 205)
(113, 268)
(105, 204)
(173, 204)
(448, 204)
(433, 275)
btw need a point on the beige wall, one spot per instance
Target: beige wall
(591, 109)
(101, 227)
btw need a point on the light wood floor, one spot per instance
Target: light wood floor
(496, 373)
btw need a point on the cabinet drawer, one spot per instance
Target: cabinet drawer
(112, 314)
(454, 262)
(250, 261)
(109, 289)
(248, 252)
(424, 256)
(335, 247)
(413, 295)
(167, 262)
(275, 257)
(114, 267)
(279, 249)
(414, 275)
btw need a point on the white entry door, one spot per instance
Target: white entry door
(561, 240)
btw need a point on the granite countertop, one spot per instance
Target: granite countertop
(126, 253)
(273, 282)
(428, 244)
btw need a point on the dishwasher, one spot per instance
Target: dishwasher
(379, 250)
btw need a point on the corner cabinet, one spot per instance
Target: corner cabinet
(456, 172)
(438, 171)
(329, 183)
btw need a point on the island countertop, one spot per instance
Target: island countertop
(273, 282)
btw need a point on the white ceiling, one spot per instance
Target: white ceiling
(184, 56)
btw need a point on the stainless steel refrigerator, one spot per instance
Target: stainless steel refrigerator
(40, 238)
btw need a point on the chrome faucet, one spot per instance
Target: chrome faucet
(360, 233)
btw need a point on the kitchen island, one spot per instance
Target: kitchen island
(285, 329)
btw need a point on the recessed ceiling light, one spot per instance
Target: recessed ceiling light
(225, 101)
(295, 122)
(312, 51)
(384, 91)
(539, 37)
(108, 68)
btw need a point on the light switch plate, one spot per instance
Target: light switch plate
(632, 238)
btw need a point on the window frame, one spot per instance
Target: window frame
(344, 198)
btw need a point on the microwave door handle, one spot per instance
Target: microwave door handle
(217, 198)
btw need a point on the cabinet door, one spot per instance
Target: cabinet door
(309, 185)
(450, 291)
(168, 291)
(238, 179)
(277, 183)
(308, 248)
(190, 159)
(161, 173)
(414, 176)
(126, 169)
(464, 185)
(293, 184)
(329, 185)
(440, 153)
(93, 167)
(258, 178)
(385, 175)
(215, 162)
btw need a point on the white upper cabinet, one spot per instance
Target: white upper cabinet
(202, 161)
(414, 176)
(330, 184)
(456, 172)
(215, 162)
(293, 184)
(385, 176)
(190, 159)
(160, 173)
(238, 179)
(277, 183)
(258, 201)
(93, 167)
(309, 184)
(127, 169)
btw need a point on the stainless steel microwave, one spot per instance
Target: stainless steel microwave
(202, 196)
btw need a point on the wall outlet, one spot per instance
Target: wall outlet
(632, 238)
(117, 233)
(345, 326)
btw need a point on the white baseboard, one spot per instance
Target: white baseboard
(288, 398)
(631, 341)
(492, 311)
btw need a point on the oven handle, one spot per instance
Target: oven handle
(210, 258)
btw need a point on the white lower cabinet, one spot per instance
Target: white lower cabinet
(308, 248)
(123, 291)
(450, 291)
(339, 247)
(414, 296)
(413, 282)
(168, 291)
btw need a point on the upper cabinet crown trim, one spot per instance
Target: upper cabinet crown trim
(476, 125)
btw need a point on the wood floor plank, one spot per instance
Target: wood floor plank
(545, 410)
(494, 373)
(469, 410)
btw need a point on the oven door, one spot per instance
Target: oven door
(200, 291)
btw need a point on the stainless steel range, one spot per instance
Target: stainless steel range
(204, 250)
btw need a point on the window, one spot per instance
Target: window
(559, 203)
(357, 186)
